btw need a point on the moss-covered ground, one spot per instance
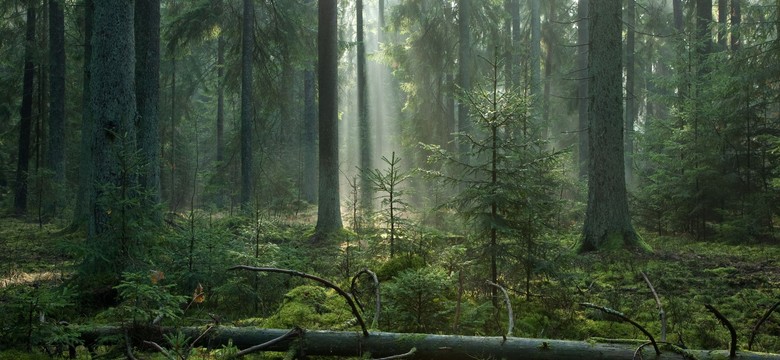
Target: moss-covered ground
(741, 281)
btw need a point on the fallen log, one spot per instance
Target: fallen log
(427, 346)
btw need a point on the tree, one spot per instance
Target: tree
(363, 120)
(113, 108)
(25, 112)
(81, 212)
(464, 68)
(247, 48)
(147, 90)
(535, 63)
(582, 86)
(328, 210)
(607, 221)
(56, 149)
(631, 103)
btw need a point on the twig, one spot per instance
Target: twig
(327, 283)
(625, 318)
(159, 348)
(296, 331)
(758, 324)
(725, 322)
(511, 321)
(129, 346)
(400, 356)
(378, 306)
(661, 313)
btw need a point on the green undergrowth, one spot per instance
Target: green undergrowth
(438, 290)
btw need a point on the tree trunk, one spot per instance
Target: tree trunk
(147, 90)
(247, 48)
(113, 108)
(631, 107)
(329, 207)
(84, 199)
(582, 85)
(464, 70)
(310, 137)
(723, 15)
(366, 189)
(536, 66)
(607, 221)
(220, 168)
(549, 40)
(25, 113)
(516, 43)
(426, 346)
(703, 34)
(736, 20)
(55, 157)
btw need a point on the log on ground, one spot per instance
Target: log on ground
(428, 346)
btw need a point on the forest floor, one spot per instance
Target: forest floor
(741, 281)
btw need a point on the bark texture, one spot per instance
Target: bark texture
(607, 220)
(55, 157)
(247, 48)
(113, 109)
(434, 347)
(25, 113)
(329, 209)
(582, 85)
(84, 196)
(366, 189)
(147, 82)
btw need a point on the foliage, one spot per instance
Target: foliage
(145, 301)
(34, 316)
(388, 185)
(419, 300)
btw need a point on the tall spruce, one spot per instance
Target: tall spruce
(247, 48)
(147, 90)
(364, 125)
(583, 38)
(113, 108)
(607, 221)
(55, 157)
(25, 113)
(631, 102)
(84, 199)
(328, 210)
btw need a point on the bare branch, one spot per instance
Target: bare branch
(511, 321)
(725, 322)
(661, 313)
(400, 356)
(626, 319)
(377, 293)
(327, 283)
(758, 324)
(296, 331)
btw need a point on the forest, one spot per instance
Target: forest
(389, 179)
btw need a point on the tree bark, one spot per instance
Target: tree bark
(147, 90)
(55, 158)
(25, 113)
(582, 85)
(329, 207)
(607, 221)
(736, 20)
(535, 62)
(247, 48)
(113, 108)
(464, 70)
(84, 199)
(631, 107)
(433, 347)
(364, 128)
(220, 200)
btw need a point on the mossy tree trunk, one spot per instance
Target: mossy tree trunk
(25, 113)
(607, 220)
(329, 208)
(55, 157)
(247, 48)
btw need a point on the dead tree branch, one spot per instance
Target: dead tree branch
(758, 324)
(400, 356)
(377, 293)
(725, 322)
(626, 319)
(510, 315)
(296, 331)
(327, 283)
(661, 313)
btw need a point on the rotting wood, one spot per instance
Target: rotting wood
(434, 347)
